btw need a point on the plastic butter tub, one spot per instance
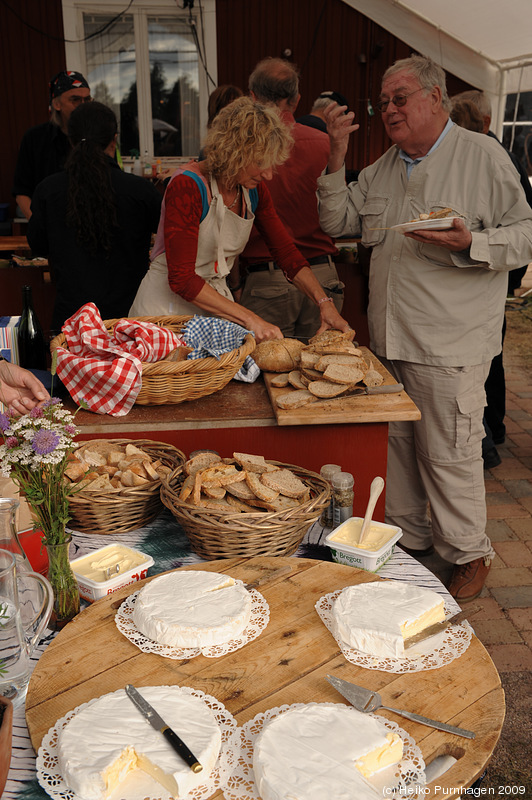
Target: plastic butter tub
(92, 570)
(379, 544)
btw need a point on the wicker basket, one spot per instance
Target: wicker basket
(217, 534)
(131, 507)
(177, 381)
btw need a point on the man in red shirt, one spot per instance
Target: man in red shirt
(293, 190)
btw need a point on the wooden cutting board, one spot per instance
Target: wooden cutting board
(287, 663)
(361, 408)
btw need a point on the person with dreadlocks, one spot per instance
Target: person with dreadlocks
(93, 221)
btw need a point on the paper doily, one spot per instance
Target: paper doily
(398, 780)
(260, 616)
(138, 785)
(439, 650)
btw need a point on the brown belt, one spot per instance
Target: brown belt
(262, 266)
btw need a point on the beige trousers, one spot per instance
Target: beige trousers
(436, 463)
(279, 302)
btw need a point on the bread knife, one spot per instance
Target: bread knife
(149, 713)
(438, 627)
(387, 388)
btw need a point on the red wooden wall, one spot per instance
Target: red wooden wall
(32, 50)
(334, 46)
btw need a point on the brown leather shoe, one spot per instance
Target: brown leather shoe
(467, 580)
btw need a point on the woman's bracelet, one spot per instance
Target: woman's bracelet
(325, 300)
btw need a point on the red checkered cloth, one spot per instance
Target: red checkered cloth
(103, 371)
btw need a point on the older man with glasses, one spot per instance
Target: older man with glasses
(44, 148)
(436, 301)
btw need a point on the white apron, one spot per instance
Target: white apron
(222, 236)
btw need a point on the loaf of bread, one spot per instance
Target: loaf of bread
(278, 355)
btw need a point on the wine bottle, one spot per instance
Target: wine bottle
(31, 342)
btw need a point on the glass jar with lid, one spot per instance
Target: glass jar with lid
(343, 497)
(326, 472)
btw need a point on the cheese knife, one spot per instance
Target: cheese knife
(438, 627)
(149, 713)
(368, 702)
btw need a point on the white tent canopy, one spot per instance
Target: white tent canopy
(487, 43)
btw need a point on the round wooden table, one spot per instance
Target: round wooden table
(286, 664)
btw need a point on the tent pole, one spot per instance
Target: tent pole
(501, 105)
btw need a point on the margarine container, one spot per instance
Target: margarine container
(91, 570)
(382, 539)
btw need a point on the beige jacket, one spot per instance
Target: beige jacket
(428, 305)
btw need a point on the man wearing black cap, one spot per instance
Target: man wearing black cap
(293, 190)
(316, 117)
(44, 148)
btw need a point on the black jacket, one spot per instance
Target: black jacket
(110, 280)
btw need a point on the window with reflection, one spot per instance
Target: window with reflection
(119, 53)
(174, 81)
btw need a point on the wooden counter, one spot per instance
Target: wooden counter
(240, 418)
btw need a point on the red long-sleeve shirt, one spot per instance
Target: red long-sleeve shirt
(181, 229)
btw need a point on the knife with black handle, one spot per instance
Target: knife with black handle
(149, 713)
(385, 388)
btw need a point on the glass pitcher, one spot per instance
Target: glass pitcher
(18, 636)
(8, 533)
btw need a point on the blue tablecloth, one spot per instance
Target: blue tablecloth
(169, 547)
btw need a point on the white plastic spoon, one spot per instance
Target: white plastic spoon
(377, 485)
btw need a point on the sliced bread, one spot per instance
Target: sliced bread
(329, 336)
(201, 461)
(285, 482)
(372, 377)
(341, 358)
(343, 373)
(326, 389)
(259, 488)
(308, 359)
(295, 399)
(294, 378)
(280, 380)
(252, 463)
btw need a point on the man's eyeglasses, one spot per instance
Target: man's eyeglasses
(77, 100)
(399, 100)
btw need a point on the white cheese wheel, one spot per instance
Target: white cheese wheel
(192, 609)
(377, 617)
(322, 751)
(104, 741)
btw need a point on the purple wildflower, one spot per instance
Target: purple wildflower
(36, 412)
(71, 429)
(45, 442)
(11, 441)
(4, 422)
(53, 401)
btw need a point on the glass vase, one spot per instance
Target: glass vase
(64, 584)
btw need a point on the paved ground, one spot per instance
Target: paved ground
(504, 625)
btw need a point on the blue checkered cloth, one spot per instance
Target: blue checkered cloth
(210, 336)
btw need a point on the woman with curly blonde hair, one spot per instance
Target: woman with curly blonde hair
(208, 212)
